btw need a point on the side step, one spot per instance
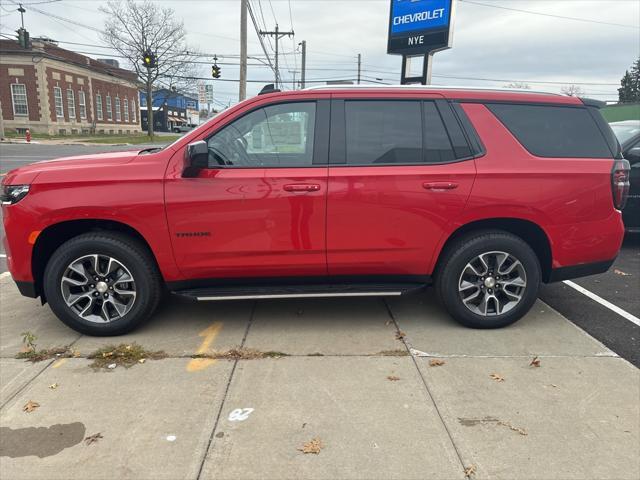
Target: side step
(300, 291)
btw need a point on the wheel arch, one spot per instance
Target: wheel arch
(530, 232)
(56, 234)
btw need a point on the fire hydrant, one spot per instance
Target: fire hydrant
(28, 136)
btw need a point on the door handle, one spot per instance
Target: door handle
(439, 186)
(302, 187)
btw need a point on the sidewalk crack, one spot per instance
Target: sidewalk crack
(210, 442)
(426, 386)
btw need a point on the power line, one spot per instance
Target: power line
(563, 17)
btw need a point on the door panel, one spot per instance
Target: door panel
(259, 210)
(382, 220)
(394, 184)
(244, 222)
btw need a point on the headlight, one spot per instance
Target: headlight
(13, 193)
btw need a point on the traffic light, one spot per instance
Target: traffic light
(23, 38)
(215, 71)
(149, 59)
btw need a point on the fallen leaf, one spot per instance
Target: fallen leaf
(497, 377)
(128, 347)
(436, 362)
(93, 438)
(393, 378)
(107, 354)
(53, 386)
(30, 406)
(400, 335)
(469, 471)
(535, 362)
(620, 272)
(75, 353)
(314, 446)
(142, 360)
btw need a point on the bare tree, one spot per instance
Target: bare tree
(521, 85)
(135, 28)
(572, 90)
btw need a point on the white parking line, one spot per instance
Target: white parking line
(603, 302)
(3, 255)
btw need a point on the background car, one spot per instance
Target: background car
(628, 133)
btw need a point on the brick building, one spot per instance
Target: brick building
(52, 90)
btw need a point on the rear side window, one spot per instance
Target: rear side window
(383, 132)
(554, 131)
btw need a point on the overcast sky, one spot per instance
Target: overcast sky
(488, 42)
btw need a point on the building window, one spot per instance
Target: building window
(57, 95)
(82, 103)
(125, 105)
(99, 106)
(71, 104)
(133, 110)
(19, 98)
(118, 112)
(109, 111)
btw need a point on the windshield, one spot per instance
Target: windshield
(625, 131)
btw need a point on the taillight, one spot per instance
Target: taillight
(620, 182)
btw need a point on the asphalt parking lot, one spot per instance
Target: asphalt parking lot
(371, 388)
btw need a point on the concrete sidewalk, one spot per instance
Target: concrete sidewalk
(347, 381)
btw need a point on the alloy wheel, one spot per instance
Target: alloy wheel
(492, 283)
(98, 288)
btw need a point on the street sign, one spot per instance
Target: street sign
(209, 93)
(420, 26)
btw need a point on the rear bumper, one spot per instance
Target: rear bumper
(575, 271)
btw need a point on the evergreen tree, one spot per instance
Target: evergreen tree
(629, 92)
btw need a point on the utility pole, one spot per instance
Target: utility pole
(243, 50)
(303, 45)
(359, 66)
(278, 35)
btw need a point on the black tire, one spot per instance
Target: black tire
(464, 250)
(126, 250)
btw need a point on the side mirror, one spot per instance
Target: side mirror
(196, 158)
(633, 155)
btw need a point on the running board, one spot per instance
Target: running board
(300, 291)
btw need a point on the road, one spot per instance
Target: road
(619, 286)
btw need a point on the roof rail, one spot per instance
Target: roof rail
(270, 88)
(427, 87)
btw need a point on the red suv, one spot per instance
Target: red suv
(328, 192)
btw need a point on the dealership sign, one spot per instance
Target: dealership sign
(419, 26)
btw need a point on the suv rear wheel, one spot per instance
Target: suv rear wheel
(102, 284)
(488, 279)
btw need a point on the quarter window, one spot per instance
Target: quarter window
(82, 104)
(383, 132)
(125, 105)
(57, 96)
(554, 131)
(99, 106)
(109, 111)
(71, 104)
(19, 98)
(273, 136)
(437, 144)
(118, 112)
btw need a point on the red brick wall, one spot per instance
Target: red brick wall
(30, 82)
(114, 90)
(64, 85)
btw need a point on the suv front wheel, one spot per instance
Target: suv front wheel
(102, 283)
(488, 279)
